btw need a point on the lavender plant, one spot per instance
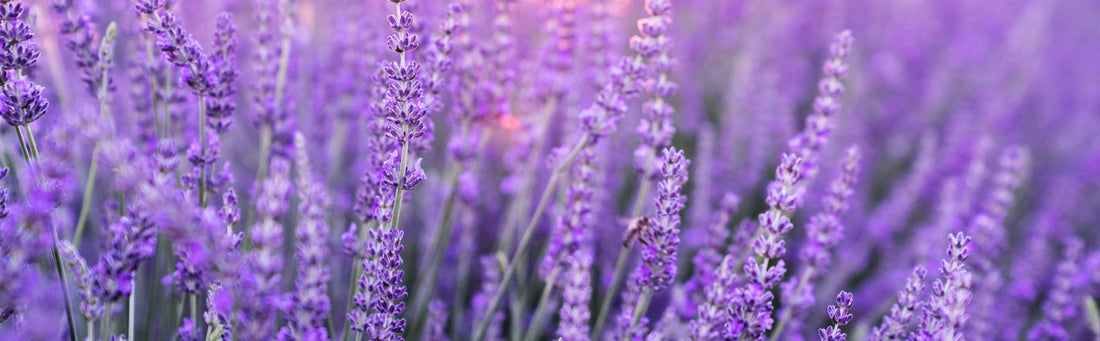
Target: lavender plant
(466, 157)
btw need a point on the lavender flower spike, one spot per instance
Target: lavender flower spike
(945, 314)
(576, 294)
(810, 142)
(437, 321)
(840, 316)
(655, 127)
(1060, 306)
(310, 302)
(894, 325)
(222, 104)
(713, 315)
(23, 101)
(663, 239)
(262, 274)
(752, 308)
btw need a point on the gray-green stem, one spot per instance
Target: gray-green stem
(540, 308)
(202, 146)
(520, 206)
(105, 332)
(605, 306)
(620, 264)
(426, 282)
(787, 313)
(86, 203)
(641, 307)
(64, 291)
(528, 233)
(133, 306)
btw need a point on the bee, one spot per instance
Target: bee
(635, 228)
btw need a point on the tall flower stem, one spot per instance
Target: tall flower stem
(30, 149)
(202, 145)
(788, 313)
(642, 306)
(529, 232)
(540, 308)
(23, 144)
(65, 292)
(31, 142)
(425, 288)
(86, 203)
(195, 308)
(133, 306)
(400, 193)
(522, 203)
(620, 264)
(266, 133)
(105, 332)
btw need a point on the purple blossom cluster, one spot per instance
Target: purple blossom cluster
(458, 170)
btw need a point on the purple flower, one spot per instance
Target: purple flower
(310, 302)
(90, 304)
(437, 320)
(440, 65)
(262, 274)
(23, 101)
(18, 53)
(179, 47)
(404, 107)
(576, 294)
(219, 306)
(713, 315)
(651, 46)
(1061, 304)
(663, 239)
(819, 126)
(825, 231)
(840, 316)
(752, 306)
(630, 296)
(221, 104)
(894, 325)
(490, 284)
(133, 239)
(945, 313)
(707, 260)
(80, 30)
(574, 228)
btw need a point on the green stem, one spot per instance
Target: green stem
(195, 309)
(356, 272)
(400, 194)
(529, 232)
(23, 144)
(620, 264)
(521, 205)
(605, 306)
(90, 331)
(641, 307)
(435, 256)
(133, 306)
(261, 173)
(64, 290)
(787, 313)
(540, 308)
(202, 146)
(86, 203)
(30, 138)
(179, 311)
(106, 331)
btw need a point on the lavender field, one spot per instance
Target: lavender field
(549, 170)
